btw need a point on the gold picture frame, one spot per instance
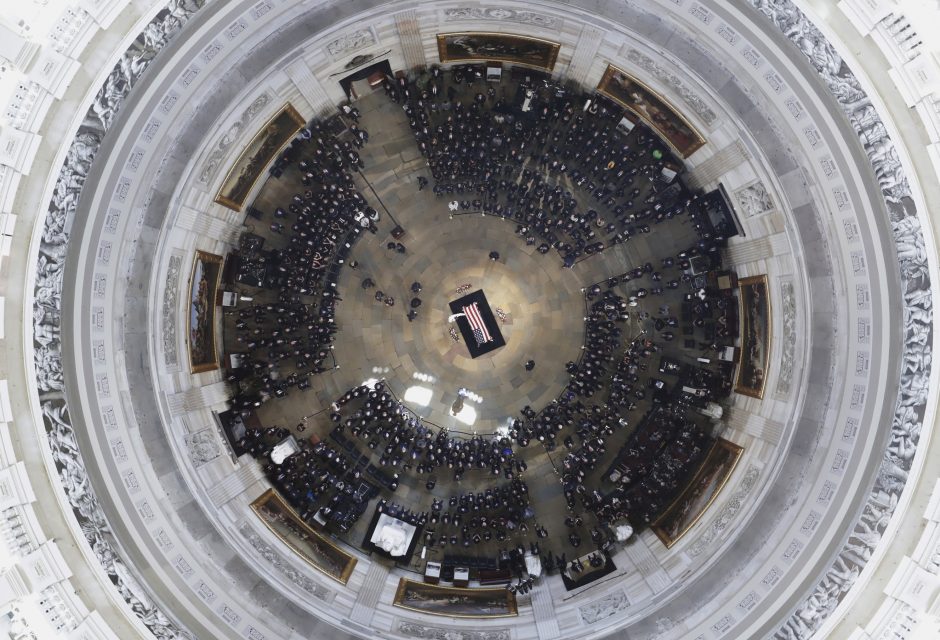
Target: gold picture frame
(697, 496)
(318, 551)
(466, 46)
(204, 279)
(455, 602)
(653, 109)
(756, 335)
(254, 159)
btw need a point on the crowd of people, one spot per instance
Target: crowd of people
(282, 345)
(285, 342)
(652, 466)
(317, 480)
(566, 175)
(493, 513)
(375, 416)
(571, 182)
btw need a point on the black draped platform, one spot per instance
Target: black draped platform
(574, 580)
(478, 342)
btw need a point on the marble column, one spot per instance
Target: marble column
(589, 42)
(409, 34)
(712, 169)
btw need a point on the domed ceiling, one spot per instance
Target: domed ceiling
(151, 153)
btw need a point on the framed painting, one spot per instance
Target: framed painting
(635, 96)
(755, 336)
(255, 158)
(467, 46)
(203, 291)
(699, 494)
(455, 602)
(304, 540)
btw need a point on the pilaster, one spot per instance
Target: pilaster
(710, 170)
(410, 36)
(589, 42)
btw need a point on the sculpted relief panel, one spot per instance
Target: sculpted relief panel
(47, 315)
(696, 103)
(788, 356)
(754, 199)
(604, 607)
(427, 632)
(285, 567)
(727, 513)
(918, 316)
(236, 131)
(170, 302)
(502, 14)
(203, 446)
(352, 41)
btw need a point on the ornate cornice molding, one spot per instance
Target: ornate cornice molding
(913, 269)
(47, 302)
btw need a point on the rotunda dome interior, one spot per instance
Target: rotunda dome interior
(482, 322)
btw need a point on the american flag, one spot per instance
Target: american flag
(476, 324)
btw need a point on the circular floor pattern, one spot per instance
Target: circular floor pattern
(544, 322)
(447, 249)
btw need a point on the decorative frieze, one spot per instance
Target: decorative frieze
(351, 41)
(284, 567)
(918, 317)
(788, 337)
(604, 607)
(916, 292)
(47, 315)
(727, 513)
(236, 131)
(428, 632)
(502, 14)
(170, 302)
(674, 82)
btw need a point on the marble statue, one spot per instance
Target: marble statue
(392, 536)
